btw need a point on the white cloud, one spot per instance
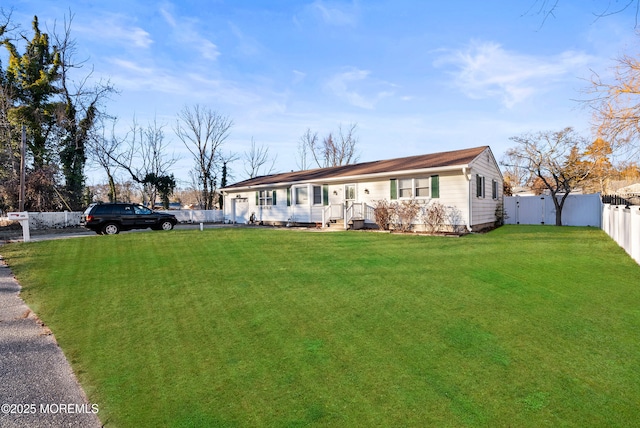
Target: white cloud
(487, 70)
(115, 29)
(187, 32)
(333, 15)
(350, 85)
(329, 13)
(298, 76)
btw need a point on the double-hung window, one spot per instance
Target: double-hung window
(317, 195)
(405, 188)
(421, 187)
(479, 186)
(494, 189)
(266, 197)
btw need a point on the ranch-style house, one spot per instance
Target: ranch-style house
(467, 182)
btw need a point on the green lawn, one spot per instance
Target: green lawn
(523, 326)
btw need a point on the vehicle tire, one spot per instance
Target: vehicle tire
(166, 225)
(110, 229)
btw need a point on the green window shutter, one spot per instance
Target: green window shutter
(289, 196)
(394, 189)
(435, 186)
(274, 197)
(257, 198)
(325, 194)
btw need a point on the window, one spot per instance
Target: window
(405, 187)
(494, 189)
(139, 209)
(266, 197)
(317, 195)
(479, 186)
(302, 195)
(422, 187)
(350, 191)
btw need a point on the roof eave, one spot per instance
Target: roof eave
(347, 178)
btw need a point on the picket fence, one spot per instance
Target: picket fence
(59, 220)
(622, 224)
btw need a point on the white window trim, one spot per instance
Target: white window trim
(413, 188)
(312, 199)
(294, 195)
(267, 200)
(482, 186)
(355, 192)
(495, 190)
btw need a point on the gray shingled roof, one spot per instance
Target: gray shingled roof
(434, 160)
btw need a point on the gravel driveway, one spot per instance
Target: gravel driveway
(37, 386)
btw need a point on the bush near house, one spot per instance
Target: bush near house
(523, 326)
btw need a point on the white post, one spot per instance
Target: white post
(23, 218)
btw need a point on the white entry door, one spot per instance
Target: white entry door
(242, 210)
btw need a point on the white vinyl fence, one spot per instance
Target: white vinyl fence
(198, 216)
(59, 220)
(622, 224)
(578, 210)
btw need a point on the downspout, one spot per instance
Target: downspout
(470, 200)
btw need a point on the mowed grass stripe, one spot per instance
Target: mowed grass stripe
(524, 326)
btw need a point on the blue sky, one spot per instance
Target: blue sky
(416, 76)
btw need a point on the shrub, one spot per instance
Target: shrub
(405, 213)
(382, 211)
(501, 215)
(434, 216)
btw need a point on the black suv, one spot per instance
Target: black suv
(109, 219)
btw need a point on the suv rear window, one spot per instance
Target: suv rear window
(102, 210)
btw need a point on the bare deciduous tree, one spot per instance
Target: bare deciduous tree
(307, 141)
(616, 105)
(203, 132)
(333, 150)
(78, 112)
(100, 147)
(257, 161)
(548, 8)
(555, 159)
(142, 153)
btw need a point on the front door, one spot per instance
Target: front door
(349, 194)
(349, 199)
(242, 210)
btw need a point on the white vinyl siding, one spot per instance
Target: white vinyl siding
(483, 210)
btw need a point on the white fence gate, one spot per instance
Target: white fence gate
(622, 224)
(578, 210)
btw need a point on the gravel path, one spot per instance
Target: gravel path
(37, 386)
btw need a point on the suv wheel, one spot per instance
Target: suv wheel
(166, 225)
(110, 229)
